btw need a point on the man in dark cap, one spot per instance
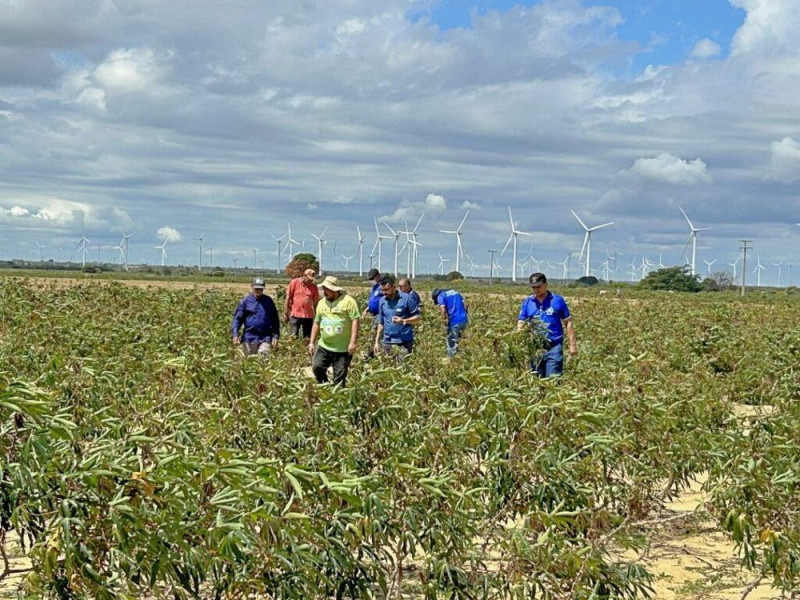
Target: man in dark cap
(257, 314)
(548, 316)
(455, 315)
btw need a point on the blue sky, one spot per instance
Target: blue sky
(234, 119)
(666, 30)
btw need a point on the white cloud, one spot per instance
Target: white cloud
(706, 48)
(785, 160)
(130, 70)
(666, 168)
(169, 234)
(408, 211)
(467, 205)
(770, 26)
(60, 213)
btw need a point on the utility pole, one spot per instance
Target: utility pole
(491, 265)
(744, 248)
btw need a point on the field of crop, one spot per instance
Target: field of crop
(140, 456)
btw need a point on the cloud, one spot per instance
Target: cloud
(170, 234)
(706, 48)
(666, 168)
(785, 160)
(467, 205)
(130, 70)
(407, 211)
(60, 213)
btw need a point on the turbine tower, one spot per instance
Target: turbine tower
(124, 242)
(708, 266)
(199, 241)
(457, 233)
(83, 246)
(41, 247)
(692, 239)
(320, 242)
(378, 242)
(278, 255)
(586, 249)
(396, 235)
(291, 242)
(513, 237)
(163, 248)
(361, 240)
(758, 269)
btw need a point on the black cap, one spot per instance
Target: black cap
(372, 273)
(537, 278)
(435, 294)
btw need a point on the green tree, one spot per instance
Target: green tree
(675, 279)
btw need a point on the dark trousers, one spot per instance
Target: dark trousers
(298, 324)
(401, 350)
(324, 358)
(551, 363)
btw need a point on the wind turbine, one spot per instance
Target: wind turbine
(442, 261)
(758, 269)
(415, 246)
(199, 241)
(378, 242)
(83, 246)
(779, 265)
(396, 235)
(457, 233)
(291, 242)
(514, 233)
(41, 247)
(708, 266)
(361, 240)
(733, 266)
(124, 242)
(565, 266)
(278, 254)
(121, 254)
(163, 248)
(586, 249)
(693, 239)
(346, 261)
(320, 242)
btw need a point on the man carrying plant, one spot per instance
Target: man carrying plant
(259, 317)
(336, 324)
(398, 313)
(548, 317)
(454, 312)
(302, 297)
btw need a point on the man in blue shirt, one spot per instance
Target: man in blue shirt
(398, 314)
(548, 316)
(454, 312)
(258, 315)
(373, 304)
(404, 285)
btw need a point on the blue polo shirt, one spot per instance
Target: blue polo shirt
(548, 314)
(454, 305)
(375, 295)
(403, 306)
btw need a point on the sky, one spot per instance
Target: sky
(231, 120)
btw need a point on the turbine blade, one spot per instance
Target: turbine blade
(578, 219)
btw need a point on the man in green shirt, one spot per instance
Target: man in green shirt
(336, 324)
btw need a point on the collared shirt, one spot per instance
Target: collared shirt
(375, 295)
(453, 303)
(547, 315)
(415, 296)
(403, 306)
(302, 297)
(336, 321)
(259, 316)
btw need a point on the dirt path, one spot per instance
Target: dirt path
(692, 559)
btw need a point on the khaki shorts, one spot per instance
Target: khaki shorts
(261, 349)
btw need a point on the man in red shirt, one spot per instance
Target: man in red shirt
(302, 297)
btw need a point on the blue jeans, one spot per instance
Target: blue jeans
(454, 333)
(551, 364)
